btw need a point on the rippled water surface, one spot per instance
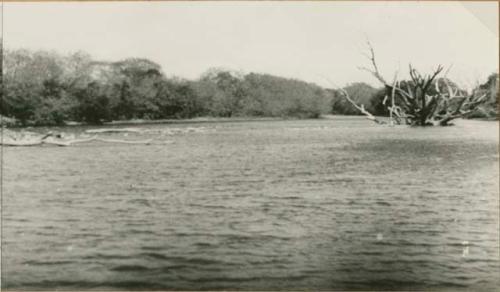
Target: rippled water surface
(320, 204)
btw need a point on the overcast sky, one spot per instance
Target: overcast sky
(312, 41)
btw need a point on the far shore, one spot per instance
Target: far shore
(224, 120)
(202, 120)
(197, 120)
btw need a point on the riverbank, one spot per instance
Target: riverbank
(11, 123)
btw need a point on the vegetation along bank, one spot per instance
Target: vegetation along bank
(47, 88)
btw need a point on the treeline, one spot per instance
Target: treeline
(47, 88)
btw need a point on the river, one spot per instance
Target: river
(263, 205)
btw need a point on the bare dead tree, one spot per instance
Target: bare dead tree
(416, 102)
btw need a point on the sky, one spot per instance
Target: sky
(316, 41)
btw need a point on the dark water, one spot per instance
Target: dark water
(327, 204)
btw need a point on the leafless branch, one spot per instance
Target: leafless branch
(375, 72)
(361, 108)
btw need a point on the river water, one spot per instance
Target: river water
(314, 204)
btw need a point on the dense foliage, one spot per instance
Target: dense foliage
(47, 88)
(490, 108)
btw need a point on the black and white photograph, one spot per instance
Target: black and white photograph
(250, 146)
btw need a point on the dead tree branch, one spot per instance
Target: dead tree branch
(361, 108)
(375, 72)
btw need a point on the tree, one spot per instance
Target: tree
(489, 109)
(424, 100)
(144, 78)
(222, 92)
(93, 103)
(273, 96)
